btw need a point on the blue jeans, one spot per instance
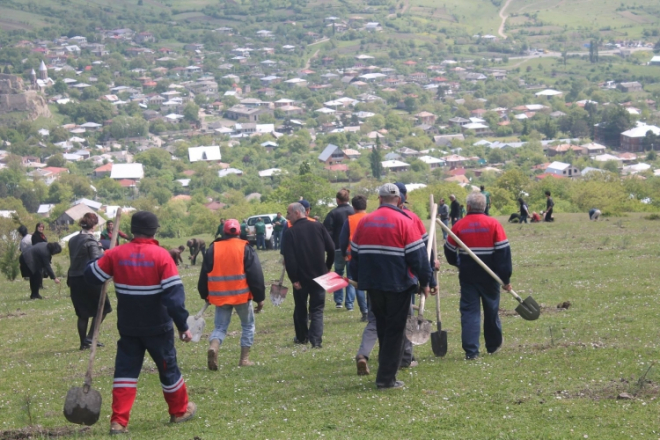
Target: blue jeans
(352, 292)
(473, 295)
(446, 223)
(261, 241)
(523, 218)
(223, 318)
(277, 238)
(340, 264)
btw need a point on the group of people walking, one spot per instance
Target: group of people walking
(383, 253)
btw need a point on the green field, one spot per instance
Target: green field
(556, 378)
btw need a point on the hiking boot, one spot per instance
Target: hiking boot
(362, 366)
(189, 414)
(364, 318)
(296, 341)
(397, 385)
(116, 428)
(245, 358)
(212, 355)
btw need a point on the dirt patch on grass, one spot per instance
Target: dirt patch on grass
(16, 314)
(38, 432)
(616, 389)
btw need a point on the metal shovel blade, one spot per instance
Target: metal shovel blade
(529, 309)
(418, 331)
(196, 326)
(82, 408)
(278, 293)
(439, 342)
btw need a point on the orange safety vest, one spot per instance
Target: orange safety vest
(227, 282)
(353, 221)
(289, 224)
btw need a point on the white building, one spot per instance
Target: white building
(196, 154)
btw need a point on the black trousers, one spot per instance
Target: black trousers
(316, 296)
(391, 310)
(36, 280)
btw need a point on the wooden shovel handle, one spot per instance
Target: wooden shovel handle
(434, 248)
(99, 313)
(282, 276)
(477, 259)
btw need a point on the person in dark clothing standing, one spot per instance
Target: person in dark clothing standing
(85, 297)
(333, 222)
(454, 210)
(524, 210)
(486, 237)
(443, 213)
(38, 234)
(278, 225)
(388, 258)
(487, 196)
(150, 296)
(549, 205)
(309, 253)
(36, 261)
(231, 279)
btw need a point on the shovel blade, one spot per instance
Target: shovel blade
(529, 309)
(196, 327)
(439, 343)
(277, 294)
(418, 332)
(82, 408)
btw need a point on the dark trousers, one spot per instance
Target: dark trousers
(391, 310)
(128, 363)
(548, 216)
(473, 296)
(316, 295)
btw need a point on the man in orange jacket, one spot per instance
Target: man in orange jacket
(231, 278)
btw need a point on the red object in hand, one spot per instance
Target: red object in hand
(331, 281)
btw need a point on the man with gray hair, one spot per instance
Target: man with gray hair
(388, 258)
(485, 237)
(309, 253)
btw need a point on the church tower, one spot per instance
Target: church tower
(43, 71)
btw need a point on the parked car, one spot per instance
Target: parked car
(252, 235)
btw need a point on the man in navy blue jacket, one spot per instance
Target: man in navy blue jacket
(486, 238)
(388, 259)
(150, 296)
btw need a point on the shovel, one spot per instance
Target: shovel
(278, 291)
(418, 329)
(196, 324)
(438, 338)
(527, 309)
(83, 404)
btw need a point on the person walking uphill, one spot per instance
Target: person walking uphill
(388, 258)
(309, 253)
(231, 278)
(549, 207)
(260, 230)
(359, 204)
(35, 261)
(333, 222)
(150, 296)
(485, 237)
(85, 297)
(454, 210)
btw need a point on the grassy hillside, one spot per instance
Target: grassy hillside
(555, 378)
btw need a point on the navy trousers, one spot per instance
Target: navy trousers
(473, 296)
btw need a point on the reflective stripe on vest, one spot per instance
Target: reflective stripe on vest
(227, 282)
(353, 221)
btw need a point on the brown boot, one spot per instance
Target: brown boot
(116, 428)
(362, 366)
(213, 354)
(189, 414)
(245, 354)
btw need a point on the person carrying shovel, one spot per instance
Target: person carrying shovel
(231, 278)
(388, 257)
(485, 237)
(150, 296)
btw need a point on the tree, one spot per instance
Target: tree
(56, 160)
(191, 112)
(304, 168)
(316, 189)
(650, 140)
(375, 160)
(615, 120)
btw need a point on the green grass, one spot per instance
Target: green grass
(556, 378)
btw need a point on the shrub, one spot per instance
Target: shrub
(9, 263)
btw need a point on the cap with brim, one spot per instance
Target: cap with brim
(403, 191)
(389, 190)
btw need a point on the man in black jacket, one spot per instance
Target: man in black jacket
(309, 253)
(35, 260)
(454, 210)
(333, 223)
